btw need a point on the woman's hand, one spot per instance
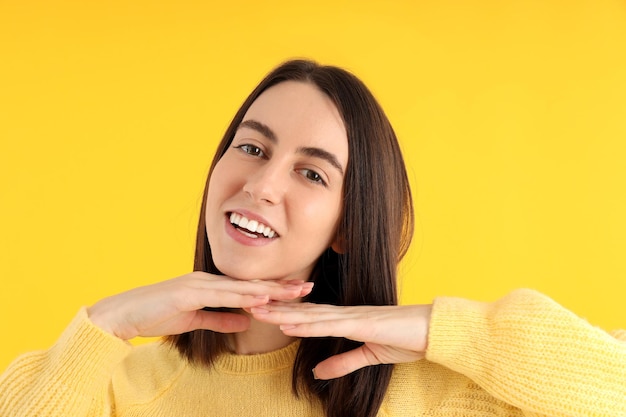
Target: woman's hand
(175, 306)
(391, 334)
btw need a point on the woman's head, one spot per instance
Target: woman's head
(375, 217)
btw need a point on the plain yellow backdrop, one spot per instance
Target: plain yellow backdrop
(511, 115)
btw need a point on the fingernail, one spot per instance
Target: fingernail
(287, 326)
(293, 287)
(259, 310)
(314, 374)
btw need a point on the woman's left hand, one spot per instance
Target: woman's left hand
(391, 334)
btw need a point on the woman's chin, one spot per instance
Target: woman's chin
(254, 272)
(244, 274)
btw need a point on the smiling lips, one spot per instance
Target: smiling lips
(253, 226)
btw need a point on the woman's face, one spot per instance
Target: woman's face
(275, 196)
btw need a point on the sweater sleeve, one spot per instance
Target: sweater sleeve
(530, 352)
(72, 378)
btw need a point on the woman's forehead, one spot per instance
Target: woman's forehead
(297, 108)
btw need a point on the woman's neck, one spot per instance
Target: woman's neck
(259, 338)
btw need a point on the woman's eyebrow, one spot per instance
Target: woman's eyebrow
(322, 154)
(309, 151)
(259, 127)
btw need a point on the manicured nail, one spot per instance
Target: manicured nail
(314, 374)
(287, 326)
(259, 310)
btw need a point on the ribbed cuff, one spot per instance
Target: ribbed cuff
(457, 332)
(86, 355)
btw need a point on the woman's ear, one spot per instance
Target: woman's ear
(339, 245)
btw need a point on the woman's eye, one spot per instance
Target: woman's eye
(313, 176)
(251, 150)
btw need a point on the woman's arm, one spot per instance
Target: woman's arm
(73, 378)
(524, 349)
(69, 379)
(530, 352)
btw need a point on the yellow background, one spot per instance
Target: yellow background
(511, 114)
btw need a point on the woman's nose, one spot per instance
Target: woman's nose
(268, 184)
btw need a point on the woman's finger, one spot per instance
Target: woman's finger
(205, 281)
(220, 322)
(344, 363)
(332, 328)
(348, 328)
(366, 355)
(236, 295)
(297, 313)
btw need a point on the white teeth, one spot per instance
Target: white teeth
(235, 218)
(252, 225)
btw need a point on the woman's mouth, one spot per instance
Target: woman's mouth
(251, 228)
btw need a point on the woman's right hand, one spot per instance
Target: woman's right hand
(175, 306)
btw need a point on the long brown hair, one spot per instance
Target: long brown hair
(375, 229)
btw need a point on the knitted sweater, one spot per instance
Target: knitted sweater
(523, 355)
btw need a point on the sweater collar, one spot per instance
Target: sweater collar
(257, 363)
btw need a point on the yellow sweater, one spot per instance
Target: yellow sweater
(523, 355)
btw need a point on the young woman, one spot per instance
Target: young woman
(292, 308)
